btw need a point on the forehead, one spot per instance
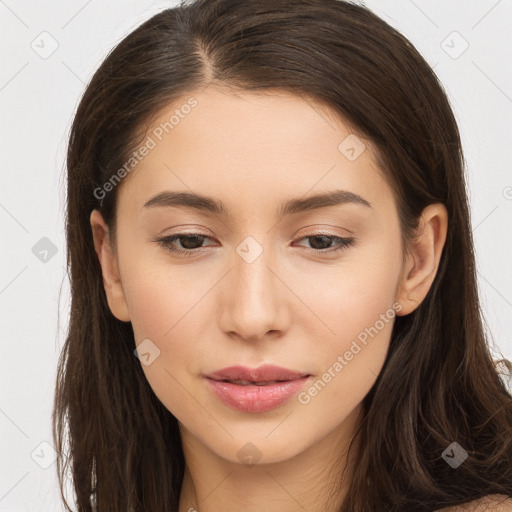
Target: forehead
(253, 146)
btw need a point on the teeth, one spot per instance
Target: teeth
(248, 383)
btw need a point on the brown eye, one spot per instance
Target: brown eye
(323, 243)
(190, 243)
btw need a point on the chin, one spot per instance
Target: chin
(256, 450)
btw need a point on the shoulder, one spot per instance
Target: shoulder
(490, 503)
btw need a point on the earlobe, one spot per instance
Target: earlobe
(109, 268)
(422, 262)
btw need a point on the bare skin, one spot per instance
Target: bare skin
(493, 502)
(295, 305)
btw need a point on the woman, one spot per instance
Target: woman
(274, 301)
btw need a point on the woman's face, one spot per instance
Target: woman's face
(273, 278)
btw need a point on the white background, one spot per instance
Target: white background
(37, 100)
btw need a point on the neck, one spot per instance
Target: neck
(315, 479)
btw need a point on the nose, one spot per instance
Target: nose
(254, 300)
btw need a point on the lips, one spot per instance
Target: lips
(255, 390)
(251, 383)
(261, 376)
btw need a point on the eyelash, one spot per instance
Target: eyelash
(167, 241)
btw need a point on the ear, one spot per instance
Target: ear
(109, 268)
(422, 262)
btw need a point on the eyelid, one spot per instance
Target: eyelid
(317, 231)
(189, 229)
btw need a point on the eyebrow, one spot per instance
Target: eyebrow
(216, 207)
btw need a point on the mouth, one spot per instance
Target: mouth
(252, 383)
(262, 376)
(256, 390)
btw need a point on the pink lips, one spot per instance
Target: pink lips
(270, 386)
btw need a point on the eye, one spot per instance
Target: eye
(191, 243)
(319, 240)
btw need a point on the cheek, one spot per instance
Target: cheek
(360, 312)
(163, 308)
(352, 297)
(167, 306)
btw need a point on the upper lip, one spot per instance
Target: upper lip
(264, 373)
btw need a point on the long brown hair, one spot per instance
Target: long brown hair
(439, 384)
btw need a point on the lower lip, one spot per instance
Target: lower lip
(256, 398)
